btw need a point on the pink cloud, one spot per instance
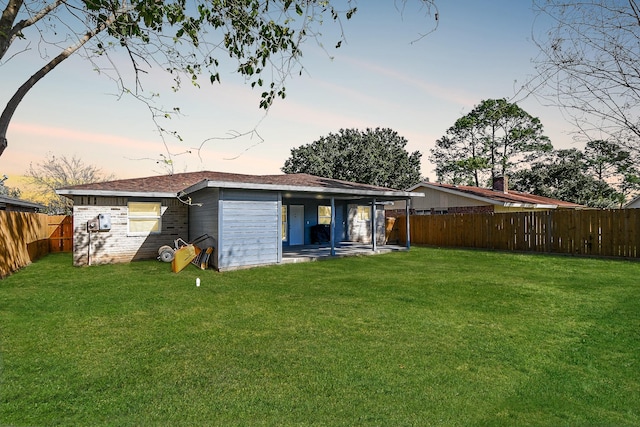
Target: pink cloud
(72, 135)
(440, 92)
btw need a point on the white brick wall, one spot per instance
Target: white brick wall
(116, 245)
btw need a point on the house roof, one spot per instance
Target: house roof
(635, 202)
(6, 201)
(510, 198)
(170, 185)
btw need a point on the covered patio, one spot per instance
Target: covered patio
(295, 254)
(252, 219)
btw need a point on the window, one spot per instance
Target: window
(285, 226)
(364, 213)
(144, 218)
(324, 214)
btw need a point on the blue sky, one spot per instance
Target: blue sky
(378, 78)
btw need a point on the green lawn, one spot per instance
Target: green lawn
(428, 337)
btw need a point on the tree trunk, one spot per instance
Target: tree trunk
(9, 15)
(15, 100)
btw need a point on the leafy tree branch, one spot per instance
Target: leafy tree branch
(189, 40)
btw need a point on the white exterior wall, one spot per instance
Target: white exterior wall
(115, 245)
(436, 200)
(439, 200)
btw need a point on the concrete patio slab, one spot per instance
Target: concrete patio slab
(294, 254)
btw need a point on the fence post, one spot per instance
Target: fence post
(407, 209)
(578, 232)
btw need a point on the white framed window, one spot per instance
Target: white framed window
(144, 218)
(364, 213)
(324, 214)
(285, 224)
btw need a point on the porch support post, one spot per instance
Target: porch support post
(406, 213)
(279, 238)
(332, 227)
(374, 225)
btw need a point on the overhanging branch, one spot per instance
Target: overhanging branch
(15, 100)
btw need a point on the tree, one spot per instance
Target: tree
(588, 65)
(188, 39)
(605, 159)
(57, 172)
(8, 191)
(492, 140)
(607, 162)
(376, 157)
(564, 175)
(459, 156)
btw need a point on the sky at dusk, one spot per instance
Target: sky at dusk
(383, 76)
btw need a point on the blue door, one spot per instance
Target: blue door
(296, 225)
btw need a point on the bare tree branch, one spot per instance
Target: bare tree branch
(589, 66)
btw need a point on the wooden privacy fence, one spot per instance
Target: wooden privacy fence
(24, 237)
(60, 230)
(582, 232)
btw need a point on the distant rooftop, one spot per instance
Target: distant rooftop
(11, 203)
(499, 196)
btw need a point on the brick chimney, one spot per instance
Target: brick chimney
(501, 183)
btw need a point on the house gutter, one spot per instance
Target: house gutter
(112, 193)
(241, 186)
(11, 201)
(528, 206)
(299, 189)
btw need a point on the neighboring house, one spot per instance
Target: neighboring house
(249, 218)
(447, 199)
(635, 203)
(18, 205)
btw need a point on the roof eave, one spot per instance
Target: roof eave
(460, 193)
(242, 186)
(114, 193)
(21, 203)
(299, 189)
(529, 206)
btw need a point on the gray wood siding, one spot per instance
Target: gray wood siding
(204, 219)
(249, 229)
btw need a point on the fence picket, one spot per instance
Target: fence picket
(25, 236)
(613, 232)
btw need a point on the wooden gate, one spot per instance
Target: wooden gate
(60, 233)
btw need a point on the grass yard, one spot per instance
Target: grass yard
(428, 337)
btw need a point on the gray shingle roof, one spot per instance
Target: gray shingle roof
(175, 183)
